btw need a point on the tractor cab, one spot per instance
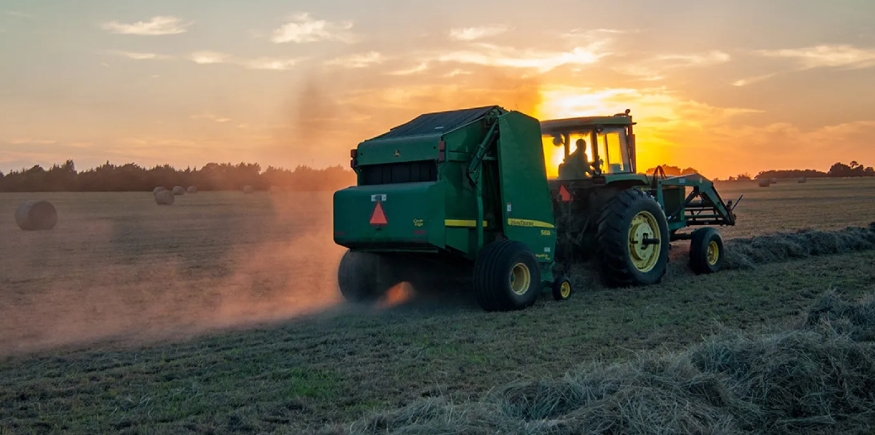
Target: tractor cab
(592, 146)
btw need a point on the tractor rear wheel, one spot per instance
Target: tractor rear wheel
(506, 276)
(706, 250)
(363, 277)
(633, 240)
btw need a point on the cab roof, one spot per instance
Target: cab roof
(586, 122)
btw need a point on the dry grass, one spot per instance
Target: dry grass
(221, 315)
(746, 253)
(815, 377)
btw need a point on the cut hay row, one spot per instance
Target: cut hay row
(747, 252)
(817, 378)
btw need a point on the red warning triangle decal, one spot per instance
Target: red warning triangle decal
(378, 217)
(564, 194)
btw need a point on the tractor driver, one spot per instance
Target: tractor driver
(578, 158)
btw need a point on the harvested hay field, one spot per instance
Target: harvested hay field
(787, 206)
(221, 315)
(817, 376)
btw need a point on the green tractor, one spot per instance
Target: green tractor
(464, 196)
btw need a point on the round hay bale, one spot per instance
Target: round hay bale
(192, 189)
(164, 197)
(765, 182)
(178, 190)
(248, 189)
(36, 215)
(802, 180)
(158, 189)
(774, 181)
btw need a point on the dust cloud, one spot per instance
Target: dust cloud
(161, 273)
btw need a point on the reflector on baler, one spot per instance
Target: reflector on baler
(378, 217)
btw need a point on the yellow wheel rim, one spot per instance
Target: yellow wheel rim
(713, 253)
(565, 289)
(644, 256)
(520, 278)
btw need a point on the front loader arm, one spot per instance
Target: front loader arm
(703, 206)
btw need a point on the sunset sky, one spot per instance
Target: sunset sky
(722, 86)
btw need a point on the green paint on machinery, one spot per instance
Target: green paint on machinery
(464, 195)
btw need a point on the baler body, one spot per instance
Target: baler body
(417, 192)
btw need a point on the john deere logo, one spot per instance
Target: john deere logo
(397, 153)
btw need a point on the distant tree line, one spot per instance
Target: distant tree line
(213, 176)
(673, 171)
(837, 170)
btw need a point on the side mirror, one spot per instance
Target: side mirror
(557, 140)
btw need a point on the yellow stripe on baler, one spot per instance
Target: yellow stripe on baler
(463, 223)
(471, 223)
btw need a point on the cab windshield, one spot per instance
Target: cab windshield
(613, 151)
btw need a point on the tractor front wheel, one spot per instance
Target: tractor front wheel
(633, 240)
(706, 250)
(561, 288)
(506, 276)
(363, 277)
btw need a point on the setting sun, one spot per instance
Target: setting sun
(569, 102)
